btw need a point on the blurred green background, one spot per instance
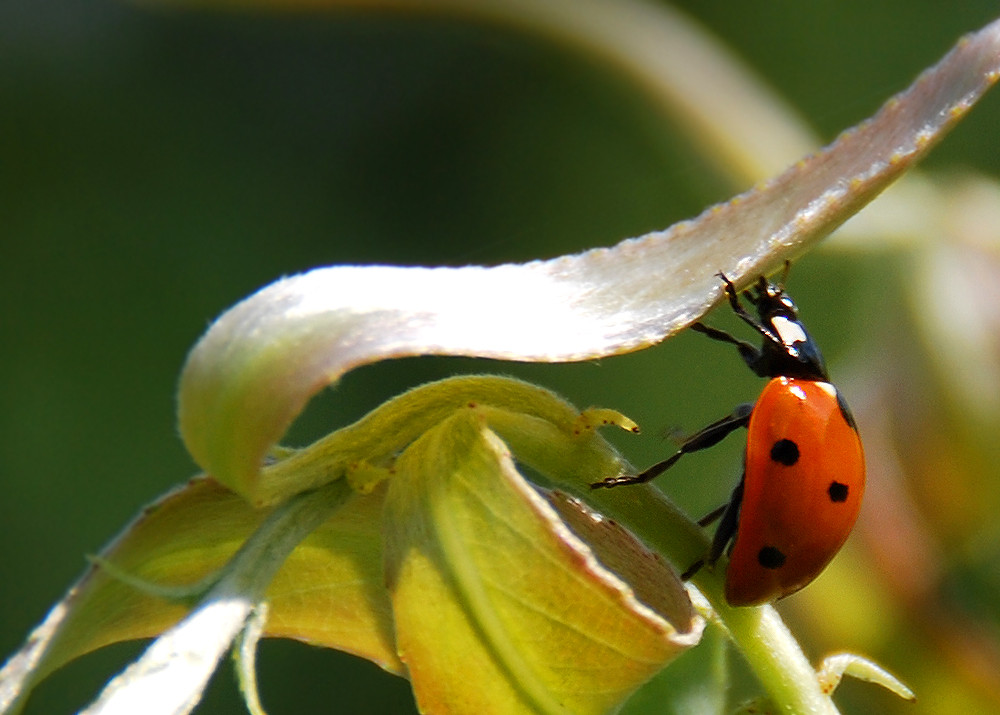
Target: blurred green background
(156, 166)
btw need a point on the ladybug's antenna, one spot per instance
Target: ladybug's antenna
(784, 275)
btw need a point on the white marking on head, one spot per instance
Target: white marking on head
(790, 331)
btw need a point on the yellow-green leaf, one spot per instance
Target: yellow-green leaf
(499, 607)
(326, 593)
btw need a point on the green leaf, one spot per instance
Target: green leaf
(330, 588)
(498, 606)
(326, 593)
(171, 675)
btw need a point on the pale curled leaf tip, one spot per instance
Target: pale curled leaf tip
(245, 656)
(170, 677)
(834, 667)
(20, 672)
(252, 372)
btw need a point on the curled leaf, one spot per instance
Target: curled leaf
(253, 371)
(498, 606)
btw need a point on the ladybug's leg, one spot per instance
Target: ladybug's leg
(711, 435)
(727, 525)
(734, 303)
(713, 516)
(730, 514)
(751, 355)
(692, 570)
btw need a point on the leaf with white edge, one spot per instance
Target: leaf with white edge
(171, 675)
(245, 656)
(616, 549)
(498, 606)
(327, 592)
(179, 540)
(253, 371)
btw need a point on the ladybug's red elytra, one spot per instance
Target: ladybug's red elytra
(804, 468)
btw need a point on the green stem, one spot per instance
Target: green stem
(772, 653)
(254, 566)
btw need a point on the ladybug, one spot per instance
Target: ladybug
(804, 467)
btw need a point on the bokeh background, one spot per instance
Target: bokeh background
(157, 165)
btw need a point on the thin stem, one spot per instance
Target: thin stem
(772, 653)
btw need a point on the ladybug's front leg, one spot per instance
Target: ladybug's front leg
(751, 354)
(707, 437)
(742, 314)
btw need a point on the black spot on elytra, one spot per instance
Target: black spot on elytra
(785, 451)
(838, 491)
(771, 558)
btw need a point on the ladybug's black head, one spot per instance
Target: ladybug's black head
(788, 349)
(772, 301)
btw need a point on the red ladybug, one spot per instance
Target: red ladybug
(804, 469)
